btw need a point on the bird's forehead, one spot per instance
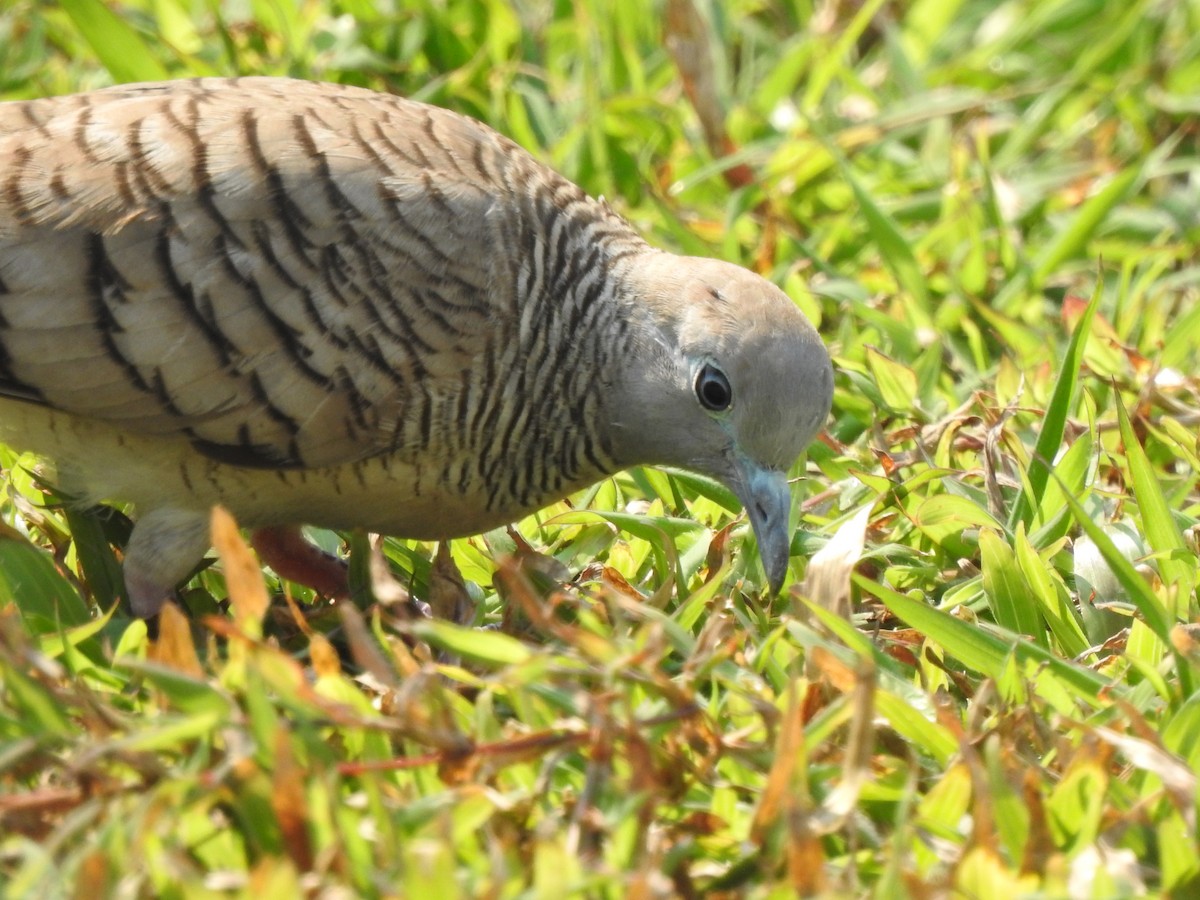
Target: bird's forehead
(735, 313)
(723, 308)
(776, 362)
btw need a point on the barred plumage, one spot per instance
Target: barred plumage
(319, 304)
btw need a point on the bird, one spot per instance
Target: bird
(316, 304)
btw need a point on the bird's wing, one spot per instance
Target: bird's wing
(282, 273)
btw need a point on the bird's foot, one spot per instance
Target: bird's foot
(284, 549)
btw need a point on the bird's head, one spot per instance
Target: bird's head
(728, 379)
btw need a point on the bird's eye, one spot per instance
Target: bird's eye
(712, 388)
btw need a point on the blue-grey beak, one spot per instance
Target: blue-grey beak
(768, 501)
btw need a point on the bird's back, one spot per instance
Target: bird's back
(265, 272)
(285, 274)
(318, 304)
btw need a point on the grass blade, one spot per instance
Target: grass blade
(1054, 422)
(1154, 613)
(1175, 561)
(980, 650)
(121, 49)
(1009, 595)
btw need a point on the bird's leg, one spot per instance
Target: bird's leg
(164, 547)
(284, 549)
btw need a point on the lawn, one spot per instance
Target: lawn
(981, 678)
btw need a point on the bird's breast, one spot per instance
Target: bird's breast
(443, 491)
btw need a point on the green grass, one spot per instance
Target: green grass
(992, 210)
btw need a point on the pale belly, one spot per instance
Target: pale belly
(95, 462)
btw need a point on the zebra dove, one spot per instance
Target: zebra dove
(318, 304)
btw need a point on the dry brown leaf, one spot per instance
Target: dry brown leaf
(448, 596)
(836, 808)
(174, 647)
(777, 794)
(615, 581)
(384, 585)
(324, 657)
(288, 801)
(457, 769)
(718, 554)
(702, 823)
(93, 872)
(1184, 639)
(1040, 845)
(247, 589)
(831, 669)
(806, 862)
(886, 461)
(1177, 778)
(689, 42)
(35, 814)
(785, 801)
(364, 650)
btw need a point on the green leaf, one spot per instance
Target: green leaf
(1051, 597)
(61, 641)
(894, 246)
(490, 647)
(39, 710)
(185, 693)
(1008, 593)
(1054, 422)
(1072, 240)
(96, 558)
(897, 383)
(1176, 561)
(980, 650)
(833, 58)
(173, 732)
(121, 49)
(945, 519)
(1070, 475)
(29, 580)
(1155, 615)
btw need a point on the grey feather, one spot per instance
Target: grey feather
(314, 303)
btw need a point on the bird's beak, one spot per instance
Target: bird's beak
(768, 500)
